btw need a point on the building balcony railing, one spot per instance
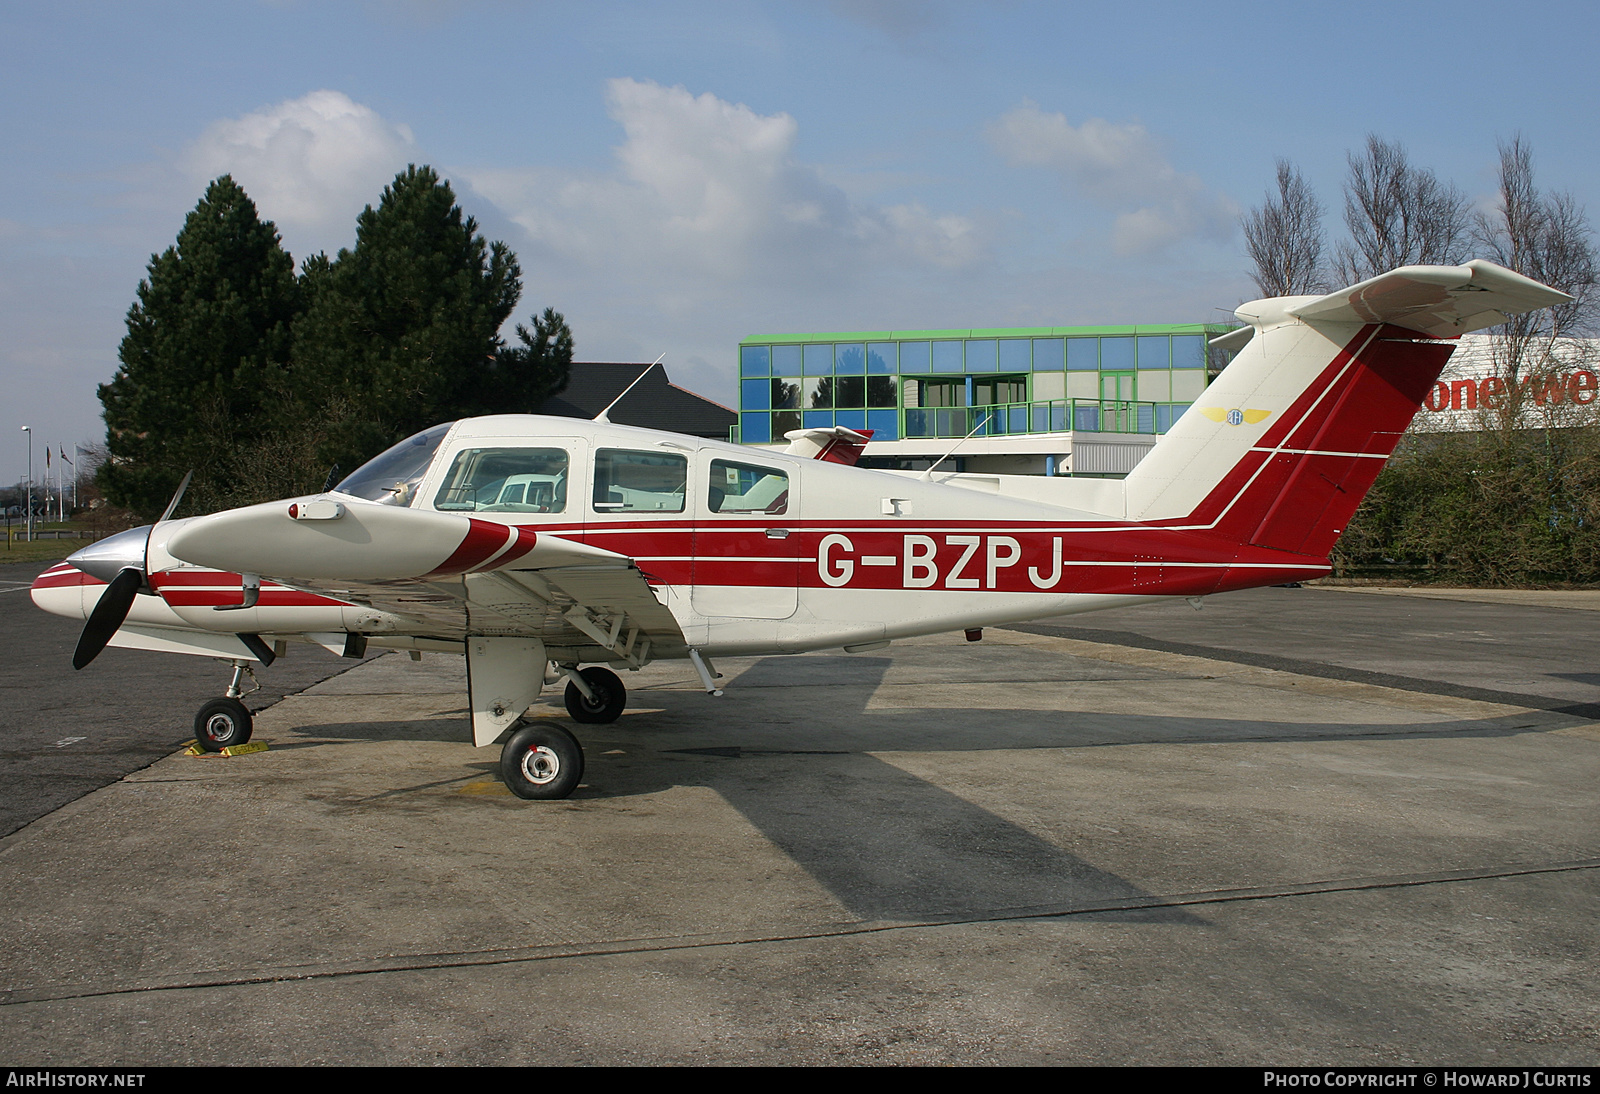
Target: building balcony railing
(1010, 419)
(1055, 416)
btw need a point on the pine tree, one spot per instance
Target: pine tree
(523, 377)
(207, 342)
(402, 330)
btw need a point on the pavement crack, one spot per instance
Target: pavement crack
(421, 962)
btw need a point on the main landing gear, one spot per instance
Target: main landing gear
(225, 722)
(541, 761)
(595, 696)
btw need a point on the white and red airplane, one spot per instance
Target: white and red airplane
(537, 545)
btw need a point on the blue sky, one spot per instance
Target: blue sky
(675, 176)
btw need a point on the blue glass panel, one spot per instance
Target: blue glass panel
(916, 423)
(819, 360)
(849, 360)
(755, 428)
(1116, 354)
(785, 360)
(1038, 417)
(1083, 354)
(884, 425)
(755, 394)
(947, 357)
(1177, 411)
(1188, 351)
(1017, 419)
(914, 357)
(1016, 355)
(755, 361)
(1058, 417)
(1163, 417)
(816, 418)
(881, 358)
(1155, 351)
(981, 355)
(1146, 418)
(851, 419)
(1047, 354)
(1086, 418)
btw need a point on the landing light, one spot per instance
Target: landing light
(316, 510)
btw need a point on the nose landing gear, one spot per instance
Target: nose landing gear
(225, 722)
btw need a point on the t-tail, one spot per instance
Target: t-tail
(1279, 451)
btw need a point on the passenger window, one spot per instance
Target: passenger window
(746, 488)
(506, 480)
(639, 482)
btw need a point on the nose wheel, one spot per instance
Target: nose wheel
(541, 762)
(222, 723)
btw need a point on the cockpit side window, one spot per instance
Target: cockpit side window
(746, 488)
(391, 477)
(506, 480)
(633, 482)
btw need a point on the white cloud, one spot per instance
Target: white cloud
(709, 192)
(708, 229)
(1118, 167)
(310, 164)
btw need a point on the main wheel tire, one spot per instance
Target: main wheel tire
(222, 723)
(541, 762)
(609, 693)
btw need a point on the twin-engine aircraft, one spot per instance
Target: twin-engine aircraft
(536, 546)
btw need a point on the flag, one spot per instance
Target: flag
(47, 457)
(64, 459)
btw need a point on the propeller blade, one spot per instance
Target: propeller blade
(107, 616)
(176, 498)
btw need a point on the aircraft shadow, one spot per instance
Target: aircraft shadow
(884, 842)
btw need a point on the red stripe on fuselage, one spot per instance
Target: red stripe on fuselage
(64, 578)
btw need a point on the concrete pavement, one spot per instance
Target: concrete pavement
(1032, 849)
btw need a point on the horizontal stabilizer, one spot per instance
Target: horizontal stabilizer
(1440, 301)
(835, 443)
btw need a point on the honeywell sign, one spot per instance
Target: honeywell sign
(1561, 388)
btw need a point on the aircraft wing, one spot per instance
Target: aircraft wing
(445, 575)
(1441, 301)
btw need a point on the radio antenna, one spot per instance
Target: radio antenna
(601, 417)
(928, 474)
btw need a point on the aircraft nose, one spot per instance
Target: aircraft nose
(105, 558)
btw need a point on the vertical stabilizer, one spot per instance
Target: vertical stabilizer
(1279, 451)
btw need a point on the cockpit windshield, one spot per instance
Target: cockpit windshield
(392, 476)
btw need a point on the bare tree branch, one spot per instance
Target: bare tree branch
(1284, 238)
(1398, 215)
(1546, 237)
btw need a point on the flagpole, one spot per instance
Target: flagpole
(29, 431)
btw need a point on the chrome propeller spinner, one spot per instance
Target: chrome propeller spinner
(119, 561)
